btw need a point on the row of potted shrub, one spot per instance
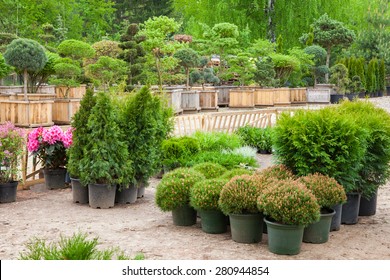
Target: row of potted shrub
(249, 200)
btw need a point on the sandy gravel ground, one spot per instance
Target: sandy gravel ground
(142, 227)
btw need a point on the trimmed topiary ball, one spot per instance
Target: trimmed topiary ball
(278, 171)
(210, 170)
(204, 195)
(236, 172)
(326, 189)
(173, 191)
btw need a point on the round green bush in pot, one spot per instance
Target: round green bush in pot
(204, 196)
(289, 207)
(173, 194)
(238, 200)
(330, 196)
(229, 174)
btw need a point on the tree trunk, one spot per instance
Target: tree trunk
(158, 67)
(271, 27)
(327, 63)
(25, 84)
(188, 78)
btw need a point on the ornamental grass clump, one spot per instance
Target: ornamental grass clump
(326, 189)
(210, 170)
(289, 202)
(239, 195)
(173, 191)
(204, 195)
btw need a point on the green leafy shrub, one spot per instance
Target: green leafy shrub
(173, 191)
(245, 151)
(289, 202)
(76, 247)
(210, 170)
(374, 171)
(228, 160)
(322, 141)
(236, 172)
(217, 141)
(259, 138)
(239, 195)
(176, 151)
(326, 189)
(204, 195)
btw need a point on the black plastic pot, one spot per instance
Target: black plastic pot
(336, 98)
(55, 178)
(368, 206)
(126, 195)
(350, 212)
(184, 216)
(101, 195)
(8, 192)
(79, 191)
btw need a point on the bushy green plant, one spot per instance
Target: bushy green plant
(326, 189)
(259, 138)
(5, 69)
(239, 195)
(80, 133)
(289, 202)
(173, 191)
(204, 195)
(323, 141)
(217, 141)
(228, 160)
(210, 170)
(339, 77)
(374, 171)
(106, 159)
(245, 151)
(76, 247)
(176, 151)
(229, 174)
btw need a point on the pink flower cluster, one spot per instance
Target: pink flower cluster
(51, 136)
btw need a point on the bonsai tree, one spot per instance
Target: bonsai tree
(107, 71)
(319, 69)
(105, 156)
(356, 85)
(284, 66)
(81, 133)
(265, 73)
(37, 78)
(242, 66)
(25, 55)
(328, 33)
(75, 50)
(339, 77)
(188, 58)
(67, 74)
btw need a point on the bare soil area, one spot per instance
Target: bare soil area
(142, 227)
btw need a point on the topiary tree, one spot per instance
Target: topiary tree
(339, 77)
(37, 78)
(284, 66)
(188, 58)
(329, 33)
(67, 74)
(319, 69)
(243, 66)
(25, 55)
(265, 73)
(75, 49)
(106, 71)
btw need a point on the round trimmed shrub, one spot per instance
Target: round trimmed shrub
(278, 171)
(173, 191)
(204, 195)
(210, 170)
(326, 189)
(236, 172)
(289, 202)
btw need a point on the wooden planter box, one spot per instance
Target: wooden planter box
(4, 96)
(264, 97)
(241, 98)
(19, 89)
(27, 113)
(190, 101)
(282, 97)
(32, 96)
(298, 96)
(223, 95)
(73, 92)
(208, 99)
(318, 95)
(64, 110)
(174, 100)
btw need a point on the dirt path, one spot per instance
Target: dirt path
(142, 227)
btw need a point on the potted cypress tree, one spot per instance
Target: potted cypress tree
(105, 161)
(339, 77)
(76, 151)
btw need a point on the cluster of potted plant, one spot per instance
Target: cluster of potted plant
(48, 146)
(260, 138)
(12, 146)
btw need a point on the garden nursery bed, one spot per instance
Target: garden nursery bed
(142, 228)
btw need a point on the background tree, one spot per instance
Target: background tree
(329, 33)
(265, 73)
(75, 49)
(25, 55)
(284, 66)
(5, 69)
(242, 67)
(188, 58)
(318, 69)
(133, 53)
